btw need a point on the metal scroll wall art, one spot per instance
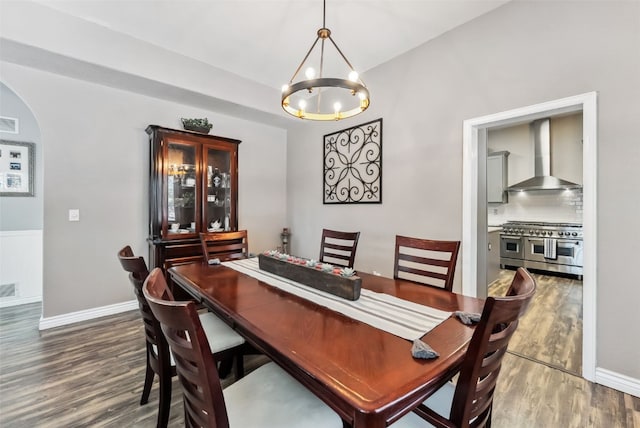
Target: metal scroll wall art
(353, 165)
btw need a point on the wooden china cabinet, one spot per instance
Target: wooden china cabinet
(193, 188)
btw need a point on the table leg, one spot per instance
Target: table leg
(367, 420)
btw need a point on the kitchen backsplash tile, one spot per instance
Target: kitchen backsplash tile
(564, 206)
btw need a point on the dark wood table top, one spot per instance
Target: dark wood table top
(367, 375)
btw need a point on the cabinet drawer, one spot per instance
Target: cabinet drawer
(183, 250)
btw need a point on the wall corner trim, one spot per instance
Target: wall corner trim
(618, 381)
(87, 314)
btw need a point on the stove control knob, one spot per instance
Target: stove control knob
(560, 233)
(575, 234)
(549, 232)
(531, 232)
(520, 230)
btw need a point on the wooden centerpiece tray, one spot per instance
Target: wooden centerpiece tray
(347, 287)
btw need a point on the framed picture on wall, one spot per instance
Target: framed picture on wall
(17, 165)
(352, 165)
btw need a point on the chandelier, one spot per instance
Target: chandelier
(316, 97)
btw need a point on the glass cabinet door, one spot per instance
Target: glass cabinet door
(217, 177)
(182, 189)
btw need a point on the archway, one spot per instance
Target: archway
(21, 217)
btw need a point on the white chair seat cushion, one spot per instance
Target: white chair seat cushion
(219, 334)
(439, 402)
(269, 397)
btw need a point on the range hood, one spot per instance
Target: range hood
(543, 180)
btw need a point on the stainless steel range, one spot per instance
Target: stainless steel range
(552, 247)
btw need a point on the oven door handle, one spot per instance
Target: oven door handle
(569, 241)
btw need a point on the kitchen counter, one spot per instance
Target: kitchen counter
(494, 229)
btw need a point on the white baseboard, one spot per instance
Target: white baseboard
(88, 314)
(618, 381)
(5, 303)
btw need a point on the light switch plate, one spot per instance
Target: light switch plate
(74, 215)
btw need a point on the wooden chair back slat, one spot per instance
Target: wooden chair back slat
(338, 248)
(138, 272)
(415, 260)
(225, 246)
(473, 397)
(158, 359)
(202, 392)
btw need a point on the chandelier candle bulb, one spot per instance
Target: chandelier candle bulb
(310, 73)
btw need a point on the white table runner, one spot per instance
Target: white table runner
(402, 318)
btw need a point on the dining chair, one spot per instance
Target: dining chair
(266, 397)
(225, 342)
(338, 248)
(225, 246)
(469, 403)
(426, 261)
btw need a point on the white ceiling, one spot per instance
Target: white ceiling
(265, 40)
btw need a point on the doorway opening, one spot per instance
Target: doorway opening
(21, 217)
(474, 256)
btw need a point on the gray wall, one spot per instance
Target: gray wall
(518, 55)
(96, 160)
(22, 212)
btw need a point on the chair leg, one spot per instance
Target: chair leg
(187, 419)
(225, 367)
(488, 424)
(164, 405)
(239, 365)
(148, 382)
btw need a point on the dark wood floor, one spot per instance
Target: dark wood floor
(91, 375)
(551, 330)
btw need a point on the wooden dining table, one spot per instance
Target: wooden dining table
(368, 376)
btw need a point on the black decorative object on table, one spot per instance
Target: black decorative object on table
(197, 125)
